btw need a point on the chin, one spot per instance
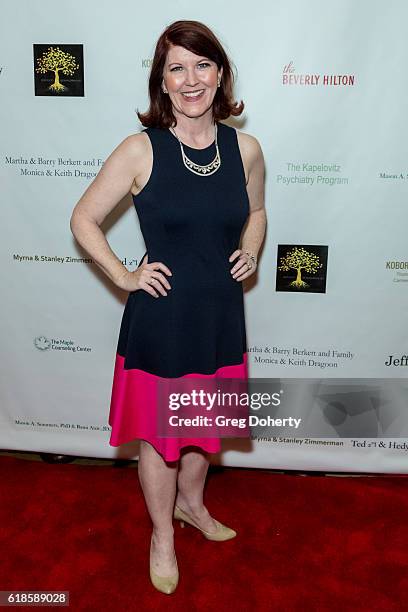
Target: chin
(198, 113)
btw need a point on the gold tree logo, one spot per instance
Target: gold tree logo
(300, 259)
(56, 61)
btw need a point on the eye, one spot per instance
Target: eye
(204, 64)
(175, 68)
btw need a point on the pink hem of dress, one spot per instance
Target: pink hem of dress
(134, 391)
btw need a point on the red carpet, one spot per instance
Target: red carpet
(304, 542)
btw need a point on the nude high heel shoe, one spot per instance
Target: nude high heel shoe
(164, 584)
(223, 533)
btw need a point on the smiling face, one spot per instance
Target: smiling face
(191, 81)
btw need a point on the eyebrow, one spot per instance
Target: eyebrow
(204, 58)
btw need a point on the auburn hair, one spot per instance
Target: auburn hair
(199, 39)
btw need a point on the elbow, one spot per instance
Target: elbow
(79, 224)
(75, 223)
(72, 223)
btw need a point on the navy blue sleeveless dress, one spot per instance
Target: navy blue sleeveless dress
(192, 224)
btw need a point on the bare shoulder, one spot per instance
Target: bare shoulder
(138, 147)
(251, 152)
(249, 144)
(135, 144)
(115, 178)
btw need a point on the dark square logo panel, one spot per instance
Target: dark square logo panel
(58, 70)
(301, 268)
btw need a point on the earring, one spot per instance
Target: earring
(218, 82)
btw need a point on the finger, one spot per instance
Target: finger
(240, 263)
(244, 270)
(154, 282)
(243, 276)
(146, 287)
(148, 278)
(161, 278)
(235, 254)
(158, 265)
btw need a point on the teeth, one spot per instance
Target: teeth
(193, 94)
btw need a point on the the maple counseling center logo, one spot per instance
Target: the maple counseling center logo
(58, 70)
(301, 268)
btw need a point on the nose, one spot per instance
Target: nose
(191, 79)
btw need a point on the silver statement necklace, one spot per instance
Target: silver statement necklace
(198, 168)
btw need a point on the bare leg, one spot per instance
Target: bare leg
(193, 467)
(158, 481)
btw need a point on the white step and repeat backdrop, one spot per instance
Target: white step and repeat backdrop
(324, 86)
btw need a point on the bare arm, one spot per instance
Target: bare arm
(254, 232)
(112, 183)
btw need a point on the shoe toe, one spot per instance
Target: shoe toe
(164, 584)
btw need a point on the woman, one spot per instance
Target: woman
(195, 183)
